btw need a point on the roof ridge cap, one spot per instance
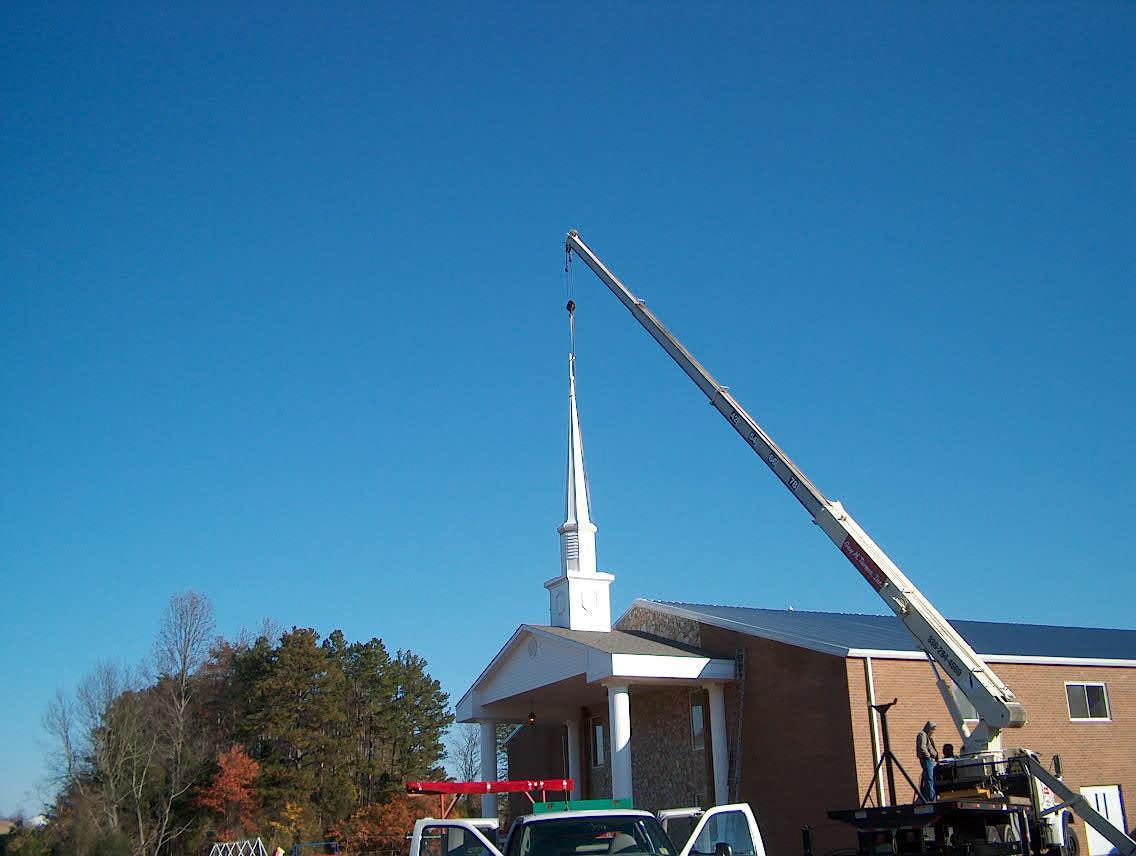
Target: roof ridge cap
(770, 608)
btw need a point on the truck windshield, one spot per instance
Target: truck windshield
(628, 835)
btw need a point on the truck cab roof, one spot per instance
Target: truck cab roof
(594, 812)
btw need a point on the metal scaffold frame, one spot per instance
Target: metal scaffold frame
(249, 847)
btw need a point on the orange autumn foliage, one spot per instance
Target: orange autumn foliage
(383, 826)
(231, 794)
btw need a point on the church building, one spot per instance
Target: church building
(678, 704)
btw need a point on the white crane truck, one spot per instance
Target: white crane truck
(1023, 809)
(725, 830)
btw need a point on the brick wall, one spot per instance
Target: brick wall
(1092, 753)
(901, 734)
(540, 751)
(535, 752)
(666, 770)
(806, 743)
(797, 755)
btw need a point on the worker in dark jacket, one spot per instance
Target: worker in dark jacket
(928, 754)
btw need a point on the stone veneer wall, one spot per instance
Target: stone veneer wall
(662, 625)
(667, 771)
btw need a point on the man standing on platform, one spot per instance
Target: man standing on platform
(928, 754)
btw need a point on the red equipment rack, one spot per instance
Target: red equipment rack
(456, 789)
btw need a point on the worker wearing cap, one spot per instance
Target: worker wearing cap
(928, 754)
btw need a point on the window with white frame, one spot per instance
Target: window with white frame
(598, 742)
(697, 720)
(1088, 701)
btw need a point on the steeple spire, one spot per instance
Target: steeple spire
(580, 597)
(578, 533)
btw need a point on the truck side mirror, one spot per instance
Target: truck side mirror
(723, 848)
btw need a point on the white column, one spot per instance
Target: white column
(721, 755)
(573, 727)
(619, 722)
(488, 766)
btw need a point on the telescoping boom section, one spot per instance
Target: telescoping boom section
(996, 705)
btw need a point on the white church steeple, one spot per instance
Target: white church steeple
(580, 598)
(578, 533)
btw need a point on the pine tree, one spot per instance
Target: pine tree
(297, 715)
(370, 689)
(420, 716)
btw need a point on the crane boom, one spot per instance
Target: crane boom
(996, 705)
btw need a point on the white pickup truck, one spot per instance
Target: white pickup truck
(726, 830)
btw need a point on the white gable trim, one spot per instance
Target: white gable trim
(467, 698)
(533, 659)
(661, 666)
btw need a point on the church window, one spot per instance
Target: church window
(599, 742)
(1087, 701)
(697, 720)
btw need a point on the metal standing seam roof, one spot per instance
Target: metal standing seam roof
(829, 630)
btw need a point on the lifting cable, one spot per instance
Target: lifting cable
(571, 307)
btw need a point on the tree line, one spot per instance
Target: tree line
(285, 736)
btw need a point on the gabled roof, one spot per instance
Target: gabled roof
(625, 642)
(848, 634)
(555, 665)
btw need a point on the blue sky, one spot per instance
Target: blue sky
(283, 314)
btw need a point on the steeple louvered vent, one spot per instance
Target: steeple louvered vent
(570, 546)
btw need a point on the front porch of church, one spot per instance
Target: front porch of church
(624, 714)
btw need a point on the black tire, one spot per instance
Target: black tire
(1072, 843)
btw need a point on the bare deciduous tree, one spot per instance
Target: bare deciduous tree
(111, 733)
(270, 629)
(96, 742)
(182, 647)
(463, 758)
(122, 744)
(463, 751)
(184, 636)
(63, 754)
